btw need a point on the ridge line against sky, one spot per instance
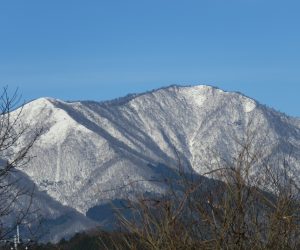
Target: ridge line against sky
(100, 50)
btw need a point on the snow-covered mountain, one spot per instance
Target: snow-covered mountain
(88, 150)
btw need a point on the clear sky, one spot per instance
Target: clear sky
(101, 49)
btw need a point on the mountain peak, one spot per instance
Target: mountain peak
(177, 87)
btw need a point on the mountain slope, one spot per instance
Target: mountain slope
(44, 218)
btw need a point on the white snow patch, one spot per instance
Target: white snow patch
(248, 104)
(58, 159)
(62, 125)
(196, 94)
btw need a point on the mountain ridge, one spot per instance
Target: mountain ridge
(131, 96)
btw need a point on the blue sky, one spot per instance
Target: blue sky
(99, 50)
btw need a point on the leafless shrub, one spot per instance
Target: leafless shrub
(15, 198)
(246, 202)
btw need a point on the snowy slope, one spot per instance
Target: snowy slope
(89, 149)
